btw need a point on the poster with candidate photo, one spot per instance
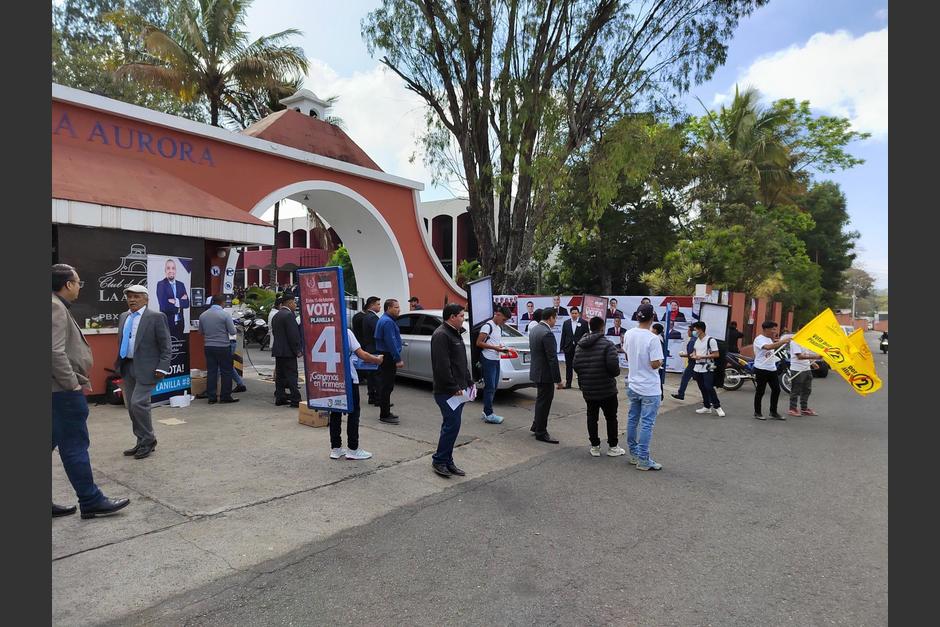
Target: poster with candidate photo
(168, 287)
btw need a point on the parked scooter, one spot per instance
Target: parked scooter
(739, 369)
(254, 328)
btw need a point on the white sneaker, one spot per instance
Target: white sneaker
(720, 411)
(703, 410)
(615, 451)
(358, 454)
(595, 451)
(336, 453)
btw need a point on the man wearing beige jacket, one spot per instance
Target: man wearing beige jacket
(71, 362)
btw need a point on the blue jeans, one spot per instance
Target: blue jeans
(686, 377)
(449, 430)
(236, 378)
(70, 434)
(490, 381)
(641, 413)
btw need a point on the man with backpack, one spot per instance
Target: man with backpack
(486, 342)
(596, 362)
(704, 353)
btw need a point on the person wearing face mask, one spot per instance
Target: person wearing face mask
(704, 354)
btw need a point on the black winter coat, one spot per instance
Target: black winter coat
(597, 365)
(449, 360)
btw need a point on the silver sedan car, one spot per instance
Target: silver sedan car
(416, 328)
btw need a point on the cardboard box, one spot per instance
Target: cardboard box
(198, 385)
(312, 417)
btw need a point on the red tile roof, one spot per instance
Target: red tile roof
(294, 129)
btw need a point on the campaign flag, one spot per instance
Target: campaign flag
(327, 372)
(849, 355)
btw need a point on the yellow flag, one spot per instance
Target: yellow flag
(849, 355)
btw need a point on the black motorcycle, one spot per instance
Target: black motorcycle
(884, 345)
(254, 329)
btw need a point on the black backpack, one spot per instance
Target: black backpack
(476, 370)
(720, 363)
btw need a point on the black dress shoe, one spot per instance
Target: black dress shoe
(774, 414)
(455, 471)
(391, 419)
(295, 405)
(681, 398)
(545, 437)
(279, 403)
(105, 508)
(441, 469)
(239, 388)
(213, 401)
(230, 400)
(131, 451)
(144, 451)
(59, 510)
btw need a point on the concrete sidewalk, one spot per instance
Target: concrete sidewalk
(231, 487)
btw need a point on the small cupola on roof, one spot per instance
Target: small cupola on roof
(307, 103)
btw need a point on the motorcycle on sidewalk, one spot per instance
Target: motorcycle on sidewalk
(739, 369)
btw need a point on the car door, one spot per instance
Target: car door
(406, 327)
(419, 349)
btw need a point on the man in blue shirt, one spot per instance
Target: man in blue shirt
(388, 344)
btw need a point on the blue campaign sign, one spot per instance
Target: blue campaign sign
(327, 368)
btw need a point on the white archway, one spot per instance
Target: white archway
(373, 248)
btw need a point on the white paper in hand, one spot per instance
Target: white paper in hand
(468, 395)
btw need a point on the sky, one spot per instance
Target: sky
(832, 53)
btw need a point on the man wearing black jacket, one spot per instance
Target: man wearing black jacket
(543, 371)
(451, 378)
(287, 348)
(571, 333)
(364, 329)
(598, 367)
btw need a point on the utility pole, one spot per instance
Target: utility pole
(277, 220)
(853, 304)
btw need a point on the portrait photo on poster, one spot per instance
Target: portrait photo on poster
(169, 283)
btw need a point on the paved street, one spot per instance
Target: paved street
(749, 523)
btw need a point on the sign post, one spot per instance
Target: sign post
(326, 347)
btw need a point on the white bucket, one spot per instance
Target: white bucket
(183, 400)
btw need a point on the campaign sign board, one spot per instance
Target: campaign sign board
(594, 306)
(168, 286)
(326, 347)
(481, 299)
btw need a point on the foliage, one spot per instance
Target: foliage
(858, 281)
(260, 300)
(828, 244)
(515, 89)
(92, 38)
(468, 270)
(340, 257)
(205, 54)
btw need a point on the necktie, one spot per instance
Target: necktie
(126, 334)
(176, 316)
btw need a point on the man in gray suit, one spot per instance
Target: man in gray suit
(143, 360)
(544, 372)
(71, 363)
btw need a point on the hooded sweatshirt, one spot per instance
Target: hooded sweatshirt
(595, 361)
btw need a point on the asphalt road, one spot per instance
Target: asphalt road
(749, 523)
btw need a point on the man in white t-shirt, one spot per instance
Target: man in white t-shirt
(765, 368)
(352, 420)
(490, 343)
(801, 380)
(644, 352)
(704, 355)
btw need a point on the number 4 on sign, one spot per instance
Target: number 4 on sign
(324, 349)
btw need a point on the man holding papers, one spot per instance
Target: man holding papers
(451, 379)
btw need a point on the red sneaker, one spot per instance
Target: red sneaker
(809, 412)
(793, 412)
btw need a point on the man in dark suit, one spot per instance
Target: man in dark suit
(287, 348)
(556, 303)
(612, 311)
(172, 298)
(365, 322)
(571, 332)
(143, 360)
(543, 371)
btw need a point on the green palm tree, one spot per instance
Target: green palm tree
(755, 136)
(213, 58)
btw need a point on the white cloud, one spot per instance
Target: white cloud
(882, 14)
(379, 114)
(838, 73)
